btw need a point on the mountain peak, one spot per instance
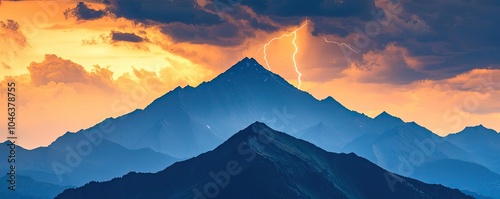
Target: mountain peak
(479, 129)
(384, 116)
(249, 73)
(248, 59)
(258, 128)
(247, 63)
(330, 99)
(480, 126)
(6, 142)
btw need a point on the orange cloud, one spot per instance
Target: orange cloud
(392, 65)
(12, 41)
(9, 29)
(58, 95)
(65, 94)
(58, 70)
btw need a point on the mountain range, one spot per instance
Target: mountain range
(186, 122)
(27, 188)
(73, 160)
(482, 143)
(259, 162)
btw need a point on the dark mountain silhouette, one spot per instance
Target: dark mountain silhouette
(259, 162)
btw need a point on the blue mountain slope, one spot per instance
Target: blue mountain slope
(481, 142)
(461, 175)
(400, 143)
(188, 121)
(414, 151)
(27, 188)
(197, 119)
(79, 165)
(323, 136)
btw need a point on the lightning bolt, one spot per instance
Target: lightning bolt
(295, 53)
(294, 33)
(340, 44)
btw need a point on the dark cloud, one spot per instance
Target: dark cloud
(186, 21)
(462, 35)
(115, 36)
(392, 65)
(118, 38)
(254, 21)
(226, 23)
(446, 37)
(83, 12)
(162, 11)
(10, 25)
(312, 8)
(326, 15)
(226, 34)
(127, 37)
(183, 21)
(340, 27)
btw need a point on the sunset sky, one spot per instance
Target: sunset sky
(76, 63)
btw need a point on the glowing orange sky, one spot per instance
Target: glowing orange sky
(48, 110)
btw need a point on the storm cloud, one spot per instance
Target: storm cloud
(444, 37)
(125, 36)
(83, 12)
